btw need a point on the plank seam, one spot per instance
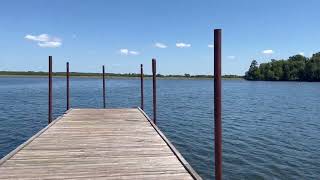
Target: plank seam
(184, 162)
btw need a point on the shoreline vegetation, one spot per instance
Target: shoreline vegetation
(108, 75)
(295, 68)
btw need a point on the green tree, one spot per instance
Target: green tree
(313, 68)
(295, 68)
(277, 70)
(253, 73)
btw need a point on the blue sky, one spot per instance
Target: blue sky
(124, 33)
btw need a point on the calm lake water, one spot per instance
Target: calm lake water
(271, 130)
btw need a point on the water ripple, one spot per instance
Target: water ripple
(271, 130)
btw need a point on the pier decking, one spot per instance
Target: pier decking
(97, 144)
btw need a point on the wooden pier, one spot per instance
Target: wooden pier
(97, 144)
(109, 143)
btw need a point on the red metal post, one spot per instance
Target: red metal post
(50, 91)
(104, 87)
(154, 85)
(217, 105)
(141, 88)
(68, 87)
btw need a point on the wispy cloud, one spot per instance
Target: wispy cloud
(160, 45)
(44, 40)
(210, 45)
(124, 51)
(49, 44)
(183, 45)
(231, 57)
(301, 53)
(41, 37)
(127, 52)
(268, 51)
(134, 52)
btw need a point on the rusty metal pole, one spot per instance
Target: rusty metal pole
(154, 87)
(50, 91)
(68, 87)
(217, 105)
(141, 88)
(104, 87)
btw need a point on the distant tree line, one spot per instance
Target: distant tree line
(296, 68)
(82, 74)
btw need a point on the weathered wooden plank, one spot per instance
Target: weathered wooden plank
(97, 144)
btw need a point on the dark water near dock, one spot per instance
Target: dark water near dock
(271, 130)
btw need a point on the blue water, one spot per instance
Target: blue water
(270, 129)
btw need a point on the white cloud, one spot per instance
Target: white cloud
(183, 45)
(44, 40)
(231, 57)
(41, 37)
(49, 44)
(124, 51)
(301, 53)
(160, 45)
(268, 51)
(127, 52)
(134, 52)
(210, 45)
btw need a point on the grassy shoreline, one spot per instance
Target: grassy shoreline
(109, 75)
(118, 77)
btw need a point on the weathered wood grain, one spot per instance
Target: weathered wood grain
(97, 144)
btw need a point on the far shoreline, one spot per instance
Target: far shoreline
(118, 77)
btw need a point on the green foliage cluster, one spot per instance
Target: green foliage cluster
(296, 68)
